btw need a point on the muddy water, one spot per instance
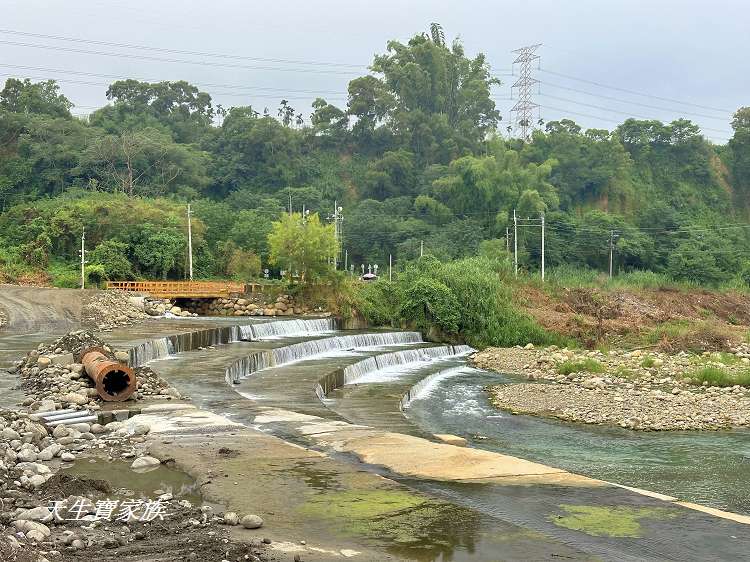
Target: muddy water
(127, 483)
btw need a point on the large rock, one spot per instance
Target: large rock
(145, 462)
(252, 522)
(75, 398)
(231, 518)
(40, 513)
(33, 527)
(48, 453)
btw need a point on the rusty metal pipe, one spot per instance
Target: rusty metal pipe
(115, 381)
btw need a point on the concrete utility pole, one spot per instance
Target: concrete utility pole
(83, 258)
(338, 219)
(421, 248)
(190, 244)
(542, 247)
(613, 236)
(515, 243)
(525, 106)
(346, 260)
(290, 204)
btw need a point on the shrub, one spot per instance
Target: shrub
(428, 301)
(715, 376)
(647, 362)
(584, 366)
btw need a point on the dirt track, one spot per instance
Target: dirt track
(34, 309)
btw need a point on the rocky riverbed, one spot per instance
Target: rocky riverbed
(53, 378)
(48, 514)
(635, 390)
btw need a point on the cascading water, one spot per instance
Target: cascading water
(288, 328)
(371, 365)
(159, 348)
(308, 349)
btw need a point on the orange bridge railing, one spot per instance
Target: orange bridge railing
(180, 289)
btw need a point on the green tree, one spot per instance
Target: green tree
(112, 257)
(302, 245)
(42, 98)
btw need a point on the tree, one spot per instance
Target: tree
(112, 257)
(178, 107)
(302, 245)
(145, 162)
(42, 98)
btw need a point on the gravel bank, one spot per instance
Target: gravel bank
(635, 390)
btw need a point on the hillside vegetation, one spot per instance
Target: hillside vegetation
(416, 155)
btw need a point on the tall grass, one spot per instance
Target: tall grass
(587, 365)
(715, 376)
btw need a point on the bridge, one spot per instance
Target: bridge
(182, 289)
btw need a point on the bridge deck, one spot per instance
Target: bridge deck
(180, 289)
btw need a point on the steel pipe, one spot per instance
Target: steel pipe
(115, 382)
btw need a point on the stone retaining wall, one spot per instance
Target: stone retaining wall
(247, 305)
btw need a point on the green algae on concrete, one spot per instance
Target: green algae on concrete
(401, 517)
(609, 521)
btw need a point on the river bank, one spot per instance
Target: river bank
(641, 390)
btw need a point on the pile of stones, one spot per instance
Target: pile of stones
(251, 305)
(53, 378)
(106, 310)
(156, 307)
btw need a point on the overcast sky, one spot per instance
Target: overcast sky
(678, 50)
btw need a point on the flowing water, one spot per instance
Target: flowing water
(375, 378)
(711, 468)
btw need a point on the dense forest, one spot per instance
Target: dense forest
(416, 158)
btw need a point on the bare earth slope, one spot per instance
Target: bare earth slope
(35, 309)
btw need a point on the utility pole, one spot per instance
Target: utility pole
(190, 244)
(290, 204)
(83, 258)
(525, 106)
(338, 219)
(515, 243)
(542, 247)
(346, 260)
(421, 248)
(613, 236)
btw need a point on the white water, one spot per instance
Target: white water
(312, 348)
(391, 366)
(288, 328)
(424, 387)
(324, 346)
(160, 348)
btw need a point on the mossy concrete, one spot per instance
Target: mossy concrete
(609, 521)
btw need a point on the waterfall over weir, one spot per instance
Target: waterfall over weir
(158, 348)
(372, 364)
(288, 328)
(306, 349)
(368, 366)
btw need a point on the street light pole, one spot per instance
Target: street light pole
(190, 244)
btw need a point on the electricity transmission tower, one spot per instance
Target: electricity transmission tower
(525, 106)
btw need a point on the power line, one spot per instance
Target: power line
(178, 61)
(633, 92)
(177, 51)
(122, 77)
(626, 113)
(620, 100)
(598, 117)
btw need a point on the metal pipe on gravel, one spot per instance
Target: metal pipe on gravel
(115, 381)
